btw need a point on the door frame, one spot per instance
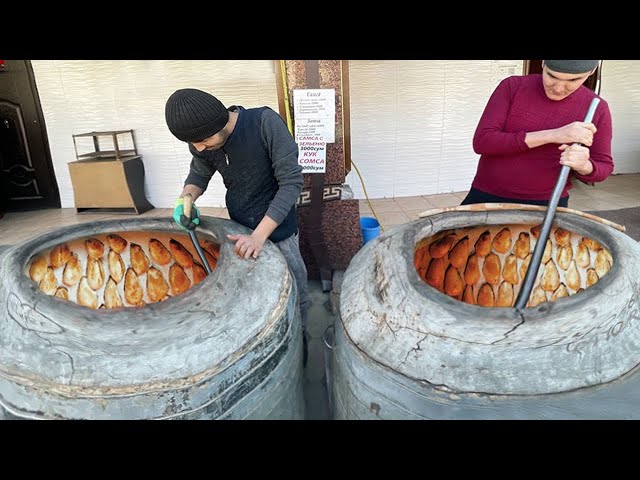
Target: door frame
(55, 200)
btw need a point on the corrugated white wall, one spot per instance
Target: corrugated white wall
(80, 96)
(412, 123)
(621, 89)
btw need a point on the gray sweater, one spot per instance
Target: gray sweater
(259, 167)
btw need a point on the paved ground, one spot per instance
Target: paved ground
(315, 389)
(629, 217)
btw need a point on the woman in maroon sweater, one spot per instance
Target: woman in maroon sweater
(527, 132)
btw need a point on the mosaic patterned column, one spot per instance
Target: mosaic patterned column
(329, 229)
(330, 77)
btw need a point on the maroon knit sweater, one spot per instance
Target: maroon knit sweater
(507, 166)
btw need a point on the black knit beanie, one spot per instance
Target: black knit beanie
(193, 115)
(571, 66)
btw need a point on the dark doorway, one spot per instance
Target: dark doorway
(592, 83)
(27, 179)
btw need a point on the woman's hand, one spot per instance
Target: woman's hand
(577, 158)
(576, 132)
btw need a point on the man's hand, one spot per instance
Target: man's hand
(576, 132)
(247, 246)
(576, 157)
(180, 218)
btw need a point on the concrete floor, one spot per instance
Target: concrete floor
(616, 192)
(315, 388)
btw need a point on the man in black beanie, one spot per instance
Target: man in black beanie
(258, 160)
(531, 127)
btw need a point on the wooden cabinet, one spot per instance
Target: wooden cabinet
(109, 179)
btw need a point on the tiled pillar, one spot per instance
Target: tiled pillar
(329, 223)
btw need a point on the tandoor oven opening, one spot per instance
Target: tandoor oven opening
(121, 269)
(486, 265)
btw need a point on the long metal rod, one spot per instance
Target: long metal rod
(198, 248)
(188, 202)
(538, 251)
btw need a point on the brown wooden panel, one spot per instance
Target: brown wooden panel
(109, 184)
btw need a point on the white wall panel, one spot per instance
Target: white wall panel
(427, 148)
(621, 89)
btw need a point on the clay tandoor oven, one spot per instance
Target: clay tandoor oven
(427, 328)
(118, 319)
